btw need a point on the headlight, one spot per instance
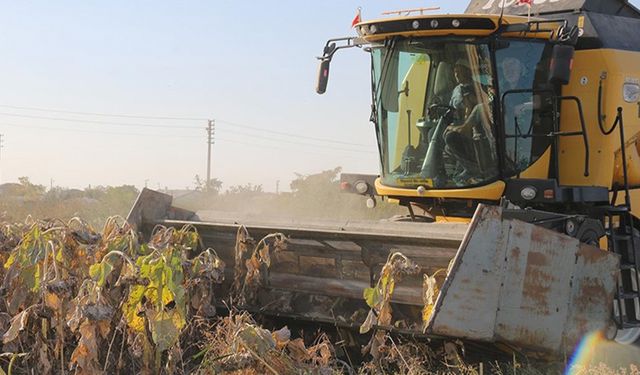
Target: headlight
(631, 92)
(371, 203)
(361, 187)
(528, 193)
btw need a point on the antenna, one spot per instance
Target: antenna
(408, 12)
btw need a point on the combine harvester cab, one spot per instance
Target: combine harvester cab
(501, 280)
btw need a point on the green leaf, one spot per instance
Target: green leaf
(10, 260)
(100, 271)
(371, 296)
(131, 307)
(31, 277)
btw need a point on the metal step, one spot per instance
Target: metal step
(627, 266)
(628, 295)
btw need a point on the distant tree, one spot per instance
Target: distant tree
(29, 190)
(249, 188)
(214, 185)
(318, 183)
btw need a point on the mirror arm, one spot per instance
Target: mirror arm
(330, 47)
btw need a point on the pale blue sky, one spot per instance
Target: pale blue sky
(248, 65)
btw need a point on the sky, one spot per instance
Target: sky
(119, 92)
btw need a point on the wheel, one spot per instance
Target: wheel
(629, 336)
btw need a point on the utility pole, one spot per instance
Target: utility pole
(211, 130)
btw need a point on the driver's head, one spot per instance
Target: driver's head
(462, 71)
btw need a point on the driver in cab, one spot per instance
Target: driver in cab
(466, 138)
(458, 137)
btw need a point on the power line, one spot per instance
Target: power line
(99, 131)
(286, 149)
(104, 114)
(179, 118)
(178, 127)
(291, 135)
(295, 142)
(225, 140)
(95, 121)
(151, 117)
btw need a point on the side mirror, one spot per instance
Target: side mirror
(323, 76)
(561, 64)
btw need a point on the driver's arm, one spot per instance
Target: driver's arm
(467, 127)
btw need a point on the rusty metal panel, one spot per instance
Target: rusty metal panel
(594, 283)
(522, 284)
(466, 306)
(534, 301)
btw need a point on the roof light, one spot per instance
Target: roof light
(415, 24)
(373, 29)
(434, 23)
(455, 23)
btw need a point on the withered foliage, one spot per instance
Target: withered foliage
(86, 302)
(379, 299)
(238, 345)
(256, 260)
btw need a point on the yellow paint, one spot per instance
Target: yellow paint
(492, 191)
(539, 169)
(605, 167)
(632, 149)
(451, 219)
(416, 79)
(588, 67)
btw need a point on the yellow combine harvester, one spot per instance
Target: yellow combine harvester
(526, 129)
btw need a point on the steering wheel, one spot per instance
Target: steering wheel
(438, 111)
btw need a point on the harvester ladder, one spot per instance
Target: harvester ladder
(624, 239)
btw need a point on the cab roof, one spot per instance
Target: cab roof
(444, 25)
(620, 8)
